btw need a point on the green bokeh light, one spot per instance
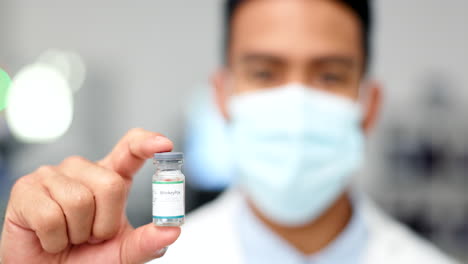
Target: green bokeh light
(4, 85)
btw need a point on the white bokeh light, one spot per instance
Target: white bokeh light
(40, 104)
(70, 64)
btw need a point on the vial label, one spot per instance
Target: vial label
(168, 199)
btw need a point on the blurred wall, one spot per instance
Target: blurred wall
(417, 165)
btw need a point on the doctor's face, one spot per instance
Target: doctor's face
(314, 42)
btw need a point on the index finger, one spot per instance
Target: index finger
(133, 149)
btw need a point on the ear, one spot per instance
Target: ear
(219, 81)
(373, 104)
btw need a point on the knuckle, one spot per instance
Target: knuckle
(80, 198)
(50, 220)
(112, 185)
(45, 170)
(73, 160)
(21, 182)
(20, 186)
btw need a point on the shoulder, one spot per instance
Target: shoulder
(392, 242)
(207, 228)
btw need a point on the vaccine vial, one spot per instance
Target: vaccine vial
(168, 189)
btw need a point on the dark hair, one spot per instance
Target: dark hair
(360, 7)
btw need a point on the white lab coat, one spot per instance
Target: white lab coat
(209, 236)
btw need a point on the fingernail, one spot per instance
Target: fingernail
(161, 252)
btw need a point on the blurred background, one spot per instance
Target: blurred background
(147, 64)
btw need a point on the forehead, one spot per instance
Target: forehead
(296, 29)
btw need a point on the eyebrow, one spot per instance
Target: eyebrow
(265, 58)
(316, 61)
(334, 59)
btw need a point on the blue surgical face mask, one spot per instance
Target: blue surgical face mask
(295, 148)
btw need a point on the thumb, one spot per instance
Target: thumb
(146, 243)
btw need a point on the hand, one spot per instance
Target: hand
(75, 212)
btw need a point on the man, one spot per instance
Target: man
(294, 94)
(292, 91)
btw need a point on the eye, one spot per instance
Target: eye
(262, 75)
(331, 78)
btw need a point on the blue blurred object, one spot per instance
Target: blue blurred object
(3, 178)
(5, 185)
(208, 163)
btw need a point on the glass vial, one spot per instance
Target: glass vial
(168, 189)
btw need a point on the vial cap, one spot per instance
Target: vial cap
(169, 156)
